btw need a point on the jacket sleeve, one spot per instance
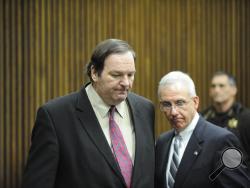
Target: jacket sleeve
(41, 167)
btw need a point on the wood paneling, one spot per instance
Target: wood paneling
(44, 46)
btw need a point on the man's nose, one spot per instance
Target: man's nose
(217, 89)
(173, 110)
(125, 81)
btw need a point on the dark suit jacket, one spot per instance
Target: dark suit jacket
(201, 157)
(69, 148)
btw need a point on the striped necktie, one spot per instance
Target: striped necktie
(174, 162)
(119, 149)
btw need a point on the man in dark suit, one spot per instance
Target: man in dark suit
(188, 155)
(72, 142)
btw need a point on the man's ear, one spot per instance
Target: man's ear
(196, 102)
(94, 74)
(234, 90)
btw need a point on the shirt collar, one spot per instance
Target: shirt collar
(190, 128)
(101, 107)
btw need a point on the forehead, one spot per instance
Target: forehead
(120, 61)
(174, 92)
(220, 79)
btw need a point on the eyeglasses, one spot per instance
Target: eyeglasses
(167, 105)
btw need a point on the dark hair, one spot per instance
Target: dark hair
(103, 50)
(231, 78)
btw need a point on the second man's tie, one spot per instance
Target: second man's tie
(174, 162)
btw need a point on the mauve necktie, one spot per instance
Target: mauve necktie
(119, 149)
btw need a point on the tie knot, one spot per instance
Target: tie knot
(177, 142)
(178, 137)
(112, 111)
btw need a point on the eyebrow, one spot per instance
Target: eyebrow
(213, 85)
(121, 72)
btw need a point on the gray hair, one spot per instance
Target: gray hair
(178, 78)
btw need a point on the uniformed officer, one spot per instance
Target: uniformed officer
(225, 111)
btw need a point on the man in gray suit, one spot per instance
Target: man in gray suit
(189, 155)
(72, 142)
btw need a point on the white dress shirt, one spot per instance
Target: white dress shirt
(185, 136)
(121, 117)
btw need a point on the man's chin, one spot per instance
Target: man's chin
(178, 127)
(120, 98)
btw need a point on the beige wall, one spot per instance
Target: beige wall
(44, 46)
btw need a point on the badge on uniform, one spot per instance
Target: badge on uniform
(233, 123)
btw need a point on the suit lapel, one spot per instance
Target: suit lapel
(135, 115)
(138, 119)
(91, 125)
(191, 153)
(164, 156)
